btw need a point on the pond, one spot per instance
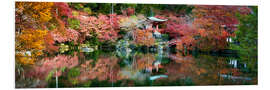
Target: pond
(136, 68)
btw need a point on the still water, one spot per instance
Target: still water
(114, 69)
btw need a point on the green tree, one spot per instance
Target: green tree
(247, 37)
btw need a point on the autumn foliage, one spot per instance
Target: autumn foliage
(39, 11)
(216, 24)
(144, 37)
(206, 27)
(31, 41)
(104, 26)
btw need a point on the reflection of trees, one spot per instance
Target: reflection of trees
(106, 68)
(215, 67)
(46, 65)
(45, 69)
(212, 66)
(145, 61)
(139, 63)
(182, 70)
(203, 71)
(181, 67)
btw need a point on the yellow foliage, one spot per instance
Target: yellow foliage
(40, 11)
(32, 41)
(25, 60)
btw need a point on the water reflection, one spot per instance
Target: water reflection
(134, 69)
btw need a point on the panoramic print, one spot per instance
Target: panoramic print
(74, 45)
